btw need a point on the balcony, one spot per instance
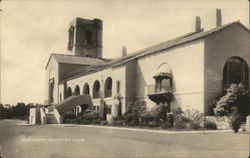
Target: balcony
(151, 89)
(159, 95)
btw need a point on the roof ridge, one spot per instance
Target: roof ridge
(105, 59)
(157, 47)
(179, 40)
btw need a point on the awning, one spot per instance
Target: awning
(67, 105)
(162, 75)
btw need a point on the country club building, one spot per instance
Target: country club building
(187, 71)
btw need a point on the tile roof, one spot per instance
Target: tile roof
(155, 48)
(71, 59)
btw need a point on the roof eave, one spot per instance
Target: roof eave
(48, 60)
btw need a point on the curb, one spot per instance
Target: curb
(146, 130)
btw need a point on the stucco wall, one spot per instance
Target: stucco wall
(52, 72)
(186, 62)
(117, 74)
(219, 47)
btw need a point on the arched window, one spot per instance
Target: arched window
(77, 90)
(96, 90)
(71, 38)
(86, 89)
(235, 71)
(88, 37)
(69, 92)
(108, 88)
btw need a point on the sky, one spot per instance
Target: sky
(31, 30)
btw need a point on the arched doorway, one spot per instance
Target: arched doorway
(77, 90)
(108, 87)
(96, 90)
(86, 89)
(69, 92)
(235, 71)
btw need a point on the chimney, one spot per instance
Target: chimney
(218, 18)
(197, 23)
(212, 19)
(124, 51)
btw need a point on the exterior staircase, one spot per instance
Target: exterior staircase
(54, 114)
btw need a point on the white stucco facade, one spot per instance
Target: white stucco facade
(184, 62)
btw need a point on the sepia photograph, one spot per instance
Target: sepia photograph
(124, 79)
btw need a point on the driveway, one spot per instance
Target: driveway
(18, 140)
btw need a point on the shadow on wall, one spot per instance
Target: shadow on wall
(140, 84)
(176, 103)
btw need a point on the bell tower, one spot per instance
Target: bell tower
(85, 38)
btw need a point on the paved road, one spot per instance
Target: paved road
(50, 141)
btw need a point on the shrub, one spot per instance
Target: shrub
(195, 126)
(180, 121)
(236, 120)
(89, 117)
(191, 119)
(234, 97)
(96, 121)
(117, 122)
(70, 121)
(146, 117)
(177, 111)
(166, 124)
(210, 125)
(195, 117)
(118, 118)
(170, 120)
(159, 112)
(104, 122)
(153, 117)
(152, 124)
(133, 114)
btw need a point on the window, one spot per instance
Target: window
(163, 84)
(235, 71)
(97, 108)
(96, 90)
(69, 92)
(118, 87)
(77, 90)
(86, 89)
(108, 87)
(71, 38)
